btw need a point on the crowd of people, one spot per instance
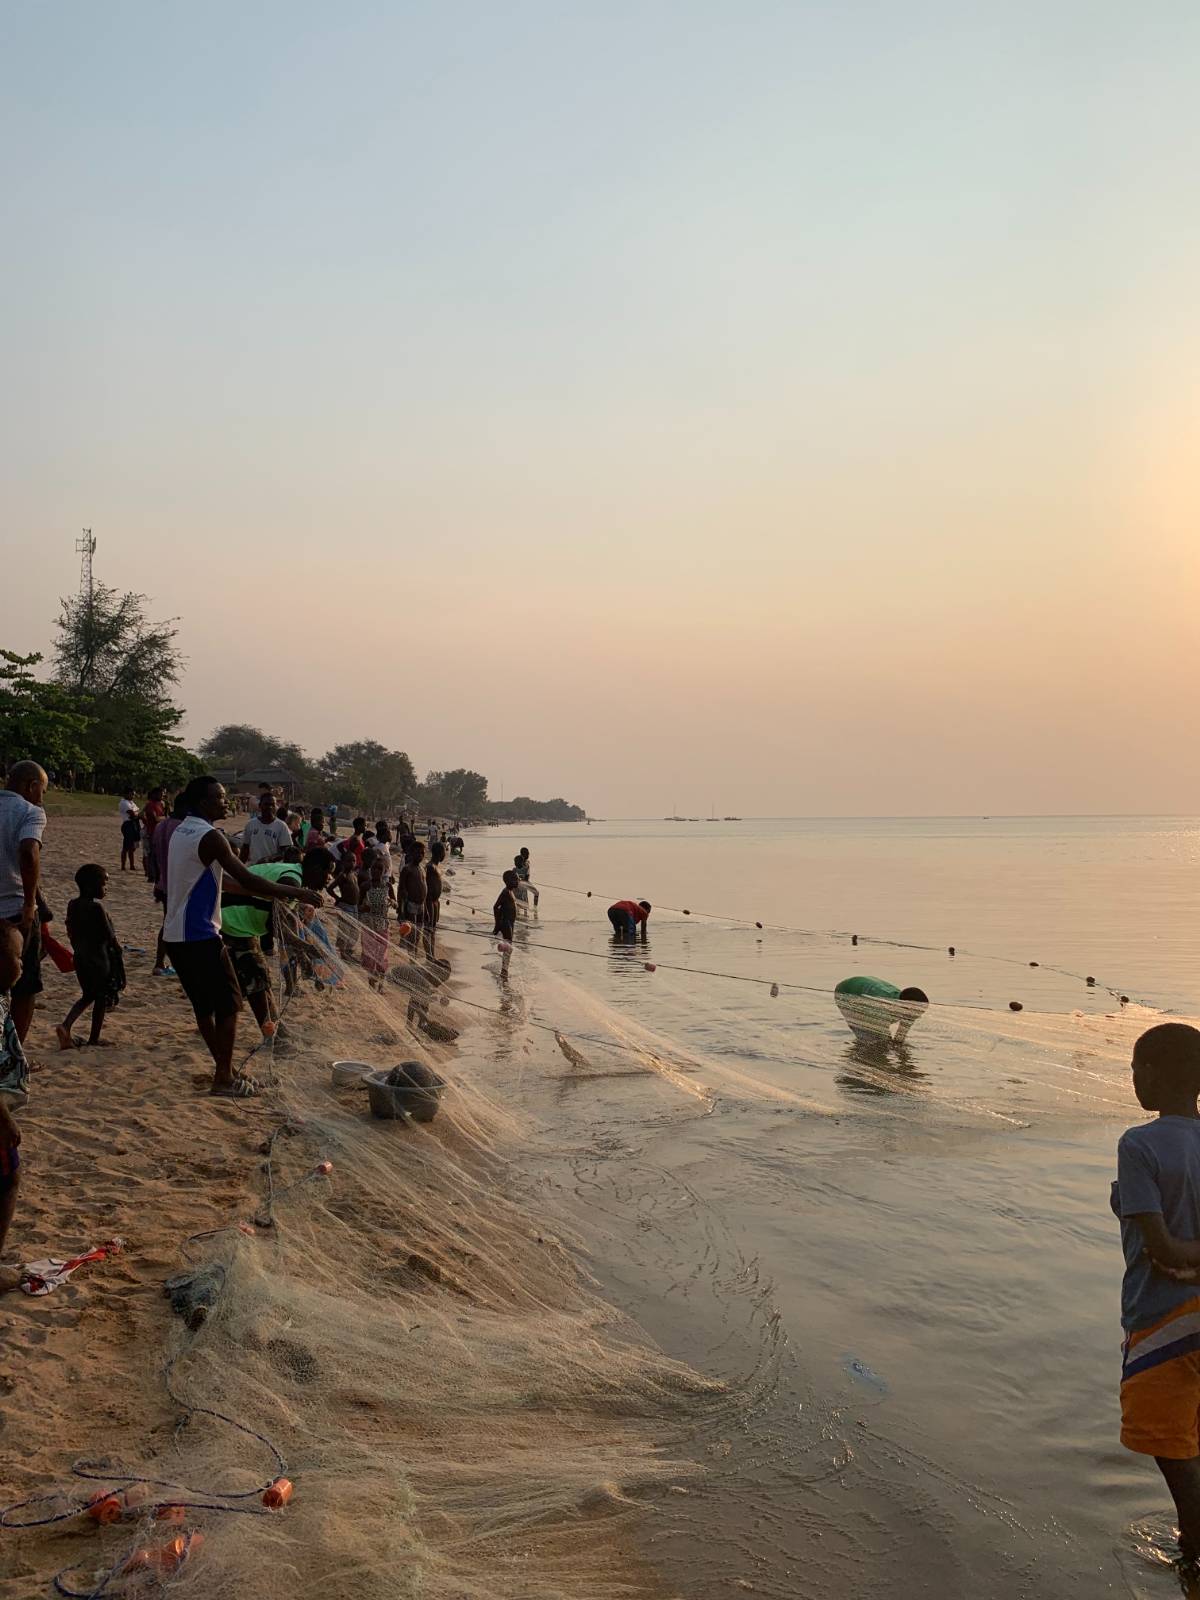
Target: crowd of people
(227, 903)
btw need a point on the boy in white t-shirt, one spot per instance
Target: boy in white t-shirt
(131, 830)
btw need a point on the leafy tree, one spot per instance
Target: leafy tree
(135, 743)
(108, 647)
(368, 774)
(38, 721)
(118, 668)
(460, 792)
(244, 747)
(523, 809)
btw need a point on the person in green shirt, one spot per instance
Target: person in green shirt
(246, 921)
(872, 1008)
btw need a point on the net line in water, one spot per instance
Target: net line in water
(727, 919)
(980, 1055)
(777, 984)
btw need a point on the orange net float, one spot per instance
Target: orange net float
(177, 1515)
(405, 929)
(105, 1507)
(278, 1494)
(165, 1559)
(649, 966)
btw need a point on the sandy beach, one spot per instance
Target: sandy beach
(458, 1410)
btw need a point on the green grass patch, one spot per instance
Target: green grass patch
(65, 803)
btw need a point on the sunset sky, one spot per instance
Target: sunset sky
(787, 406)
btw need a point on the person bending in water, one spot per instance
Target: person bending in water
(627, 916)
(872, 1007)
(1157, 1197)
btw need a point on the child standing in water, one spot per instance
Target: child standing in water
(521, 868)
(99, 964)
(505, 909)
(1157, 1197)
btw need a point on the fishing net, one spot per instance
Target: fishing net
(434, 1329)
(394, 1326)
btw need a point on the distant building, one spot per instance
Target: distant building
(286, 784)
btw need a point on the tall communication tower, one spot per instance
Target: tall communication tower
(86, 548)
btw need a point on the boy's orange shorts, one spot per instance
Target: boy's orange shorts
(1160, 1387)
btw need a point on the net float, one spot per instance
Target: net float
(950, 949)
(649, 966)
(278, 1494)
(1091, 982)
(774, 991)
(405, 929)
(173, 1514)
(268, 1030)
(758, 924)
(324, 1168)
(165, 1558)
(504, 947)
(170, 1557)
(105, 1507)
(1015, 1005)
(853, 938)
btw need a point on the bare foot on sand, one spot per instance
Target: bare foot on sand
(65, 1041)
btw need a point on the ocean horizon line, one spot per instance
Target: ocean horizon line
(933, 816)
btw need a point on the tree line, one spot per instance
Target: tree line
(365, 773)
(105, 719)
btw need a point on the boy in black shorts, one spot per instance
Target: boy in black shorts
(99, 964)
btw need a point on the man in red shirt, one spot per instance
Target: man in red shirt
(356, 843)
(627, 916)
(153, 813)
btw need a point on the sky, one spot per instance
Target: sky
(785, 407)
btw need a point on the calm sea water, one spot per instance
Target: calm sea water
(905, 1265)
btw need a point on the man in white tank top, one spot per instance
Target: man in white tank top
(198, 857)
